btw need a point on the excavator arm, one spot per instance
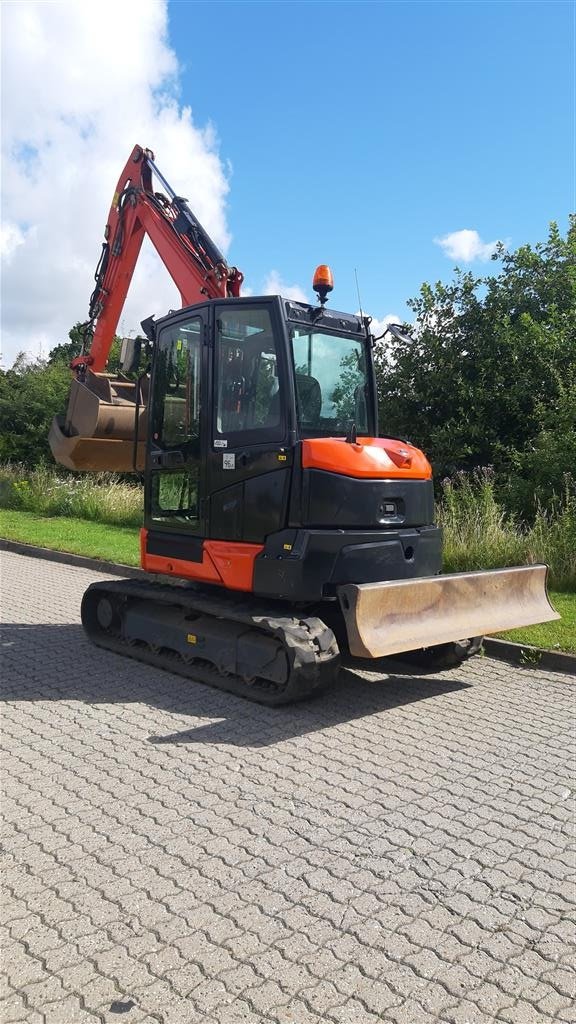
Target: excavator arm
(104, 427)
(193, 261)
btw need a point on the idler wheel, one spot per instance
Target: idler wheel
(104, 613)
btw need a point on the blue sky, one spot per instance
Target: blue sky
(356, 134)
(360, 132)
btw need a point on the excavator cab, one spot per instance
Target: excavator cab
(266, 358)
(235, 388)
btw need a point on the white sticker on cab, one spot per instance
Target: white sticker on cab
(229, 460)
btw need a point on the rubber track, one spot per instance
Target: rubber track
(309, 644)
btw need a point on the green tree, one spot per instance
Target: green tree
(490, 360)
(64, 353)
(32, 393)
(546, 467)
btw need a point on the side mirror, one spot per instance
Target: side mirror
(130, 354)
(396, 332)
(149, 327)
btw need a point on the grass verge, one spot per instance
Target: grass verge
(50, 491)
(121, 544)
(81, 537)
(559, 635)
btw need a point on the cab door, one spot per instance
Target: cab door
(249, 453)
(175, 485)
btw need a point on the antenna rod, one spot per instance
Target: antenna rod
(358, 291)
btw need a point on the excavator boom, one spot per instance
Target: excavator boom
(105, 425)
(190, 256)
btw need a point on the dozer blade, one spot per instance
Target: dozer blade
(98, 430)
(405, 615)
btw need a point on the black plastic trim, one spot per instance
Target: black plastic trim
(335, 500)
(308, 565)
(175, 545)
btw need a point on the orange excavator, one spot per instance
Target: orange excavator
(279, 529)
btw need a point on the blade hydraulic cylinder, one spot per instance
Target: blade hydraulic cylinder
(406, 615)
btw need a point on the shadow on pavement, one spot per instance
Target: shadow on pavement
(57, 662)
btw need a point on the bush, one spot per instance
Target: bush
(31, 394)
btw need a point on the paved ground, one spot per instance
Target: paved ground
(395, 851)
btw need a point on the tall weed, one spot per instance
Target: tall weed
(480, 534)
(100, 497)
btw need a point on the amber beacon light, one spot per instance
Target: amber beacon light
(323, 282)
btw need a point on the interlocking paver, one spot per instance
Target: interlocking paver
(397, 850)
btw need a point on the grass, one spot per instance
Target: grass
(97, 540)
(559, 635)
(97, 497)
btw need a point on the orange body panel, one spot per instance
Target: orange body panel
(375, 458)
(234, 562)
(225, 562)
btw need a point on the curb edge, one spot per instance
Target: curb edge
(68, 558)
(528, 656)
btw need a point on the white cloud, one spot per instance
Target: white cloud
(466, 246)
(83, 84)
(377, 327)
(11, 236)
(274, 285)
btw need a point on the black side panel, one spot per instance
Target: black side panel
(226, 513)
(250, 510)
(170, 544)
(330, 499)
(265, 499)
(307, 565)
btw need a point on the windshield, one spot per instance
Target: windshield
(331, 383)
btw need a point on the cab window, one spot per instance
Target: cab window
(177, 385)
(176, 424)
(331, 383)
(247, 375)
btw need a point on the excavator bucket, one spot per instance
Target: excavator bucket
(98, 431)
(406, 615)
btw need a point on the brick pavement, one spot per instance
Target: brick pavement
(396, 850)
